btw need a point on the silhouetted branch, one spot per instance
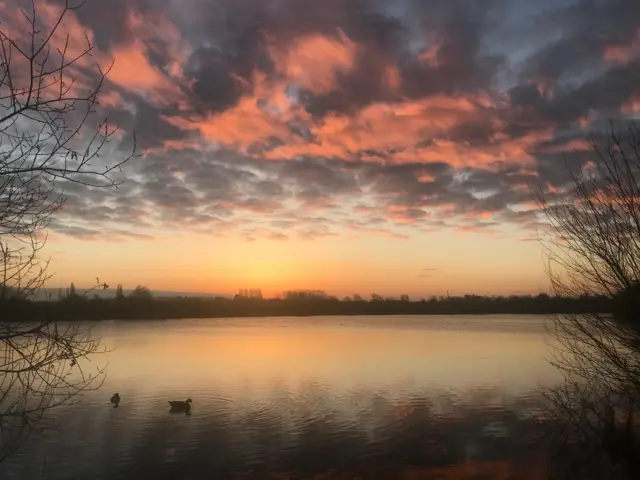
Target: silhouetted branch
(594, 249)
(49, 135)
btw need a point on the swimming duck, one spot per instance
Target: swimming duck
(180, 406)
(115, 399)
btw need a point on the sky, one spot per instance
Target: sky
(361, 146)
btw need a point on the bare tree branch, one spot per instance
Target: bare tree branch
(49, 135)
(594, 249)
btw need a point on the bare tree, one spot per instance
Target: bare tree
(50, 136)
(594, 250)
(141, 292)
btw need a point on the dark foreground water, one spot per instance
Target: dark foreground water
(338, 397)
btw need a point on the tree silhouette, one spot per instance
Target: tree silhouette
(594, 249)
(253, 293)
(305, 295)
(50, 138)
(141, 292)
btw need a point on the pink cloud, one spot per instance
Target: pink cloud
(314, 61)
(255, 118)
(267, 112)
(132, 69)
(68, 37)
(461, 154)
(400, 126)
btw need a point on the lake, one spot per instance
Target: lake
(314, 397)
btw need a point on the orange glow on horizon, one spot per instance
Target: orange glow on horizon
(342, 265)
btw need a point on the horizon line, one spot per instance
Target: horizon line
(329, 294)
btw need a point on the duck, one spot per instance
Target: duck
(115, 399)
(180, 406)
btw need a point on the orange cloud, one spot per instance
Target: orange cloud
(68, 37)
(69, 29)
(461, 154)
(258, 116)
(271, 124)
(391, 126)
(246, 123)
(314, 61)
(133, 70)
(267, 113)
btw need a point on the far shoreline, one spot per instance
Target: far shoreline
(81, 308)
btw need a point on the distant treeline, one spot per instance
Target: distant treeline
(145, 306)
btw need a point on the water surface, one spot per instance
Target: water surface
(313, 397)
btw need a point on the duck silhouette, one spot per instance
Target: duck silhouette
(115, 399)
(177, 406)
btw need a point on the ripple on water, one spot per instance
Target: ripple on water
(320, 416)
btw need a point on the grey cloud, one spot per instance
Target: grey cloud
(525, 96)
(316, 232)
(332, 177)
(150, 129)
(589, 27)
(73, 231)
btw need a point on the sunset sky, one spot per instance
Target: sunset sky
(360, 146)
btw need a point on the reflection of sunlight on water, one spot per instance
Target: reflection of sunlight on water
(304, 397)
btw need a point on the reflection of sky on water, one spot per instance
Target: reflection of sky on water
(256, 353)
(278, 390)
